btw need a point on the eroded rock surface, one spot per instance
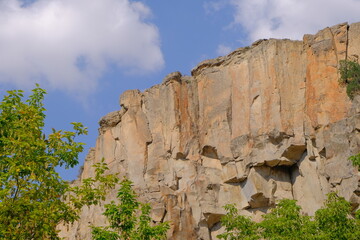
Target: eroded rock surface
(264, 123)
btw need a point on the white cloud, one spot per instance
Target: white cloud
(223, 50)
(214, 6)
(67, 44)
(291, 18)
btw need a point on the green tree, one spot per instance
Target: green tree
(238, 226)
(350, 75)
(31, 191)
(334, 221)
(285, 221)
(126, 221)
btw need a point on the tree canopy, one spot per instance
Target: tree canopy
(130, 219)
(333, 221)
(34, 199)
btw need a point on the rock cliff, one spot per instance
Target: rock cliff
(263, 123)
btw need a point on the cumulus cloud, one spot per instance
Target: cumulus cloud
(291, 18)
(68, 44)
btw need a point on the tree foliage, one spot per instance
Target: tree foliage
(350, 75)
(333, 221)
(285, 221)
(129, 220)
(31, 190)
(238, 226)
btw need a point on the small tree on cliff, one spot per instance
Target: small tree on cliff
(31, 191)
(355, 160)
(126, 221)
(350, 75)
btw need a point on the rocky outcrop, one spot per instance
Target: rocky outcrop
(264, 123)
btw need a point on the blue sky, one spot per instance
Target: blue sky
(85, 53)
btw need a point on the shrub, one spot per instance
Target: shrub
(350, 75)
(355, 160)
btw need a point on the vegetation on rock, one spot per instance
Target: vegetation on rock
(34, 199)
(126, 221)
(355, 160)
(350, 75)
(285, 221)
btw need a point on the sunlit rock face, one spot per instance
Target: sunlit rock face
(264, 123)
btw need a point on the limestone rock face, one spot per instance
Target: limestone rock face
(263, 123)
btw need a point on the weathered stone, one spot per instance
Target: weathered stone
(176, 76)
(294, 152)
(265, 185)
(309, 185)
(354, 41)
(110, 120)
(261, 124)
(322, 86)
(239, 146)
(130, 98)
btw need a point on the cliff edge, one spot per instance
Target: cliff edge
(263, 123)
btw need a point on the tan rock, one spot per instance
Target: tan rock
(323, 52)
(354, 41)
(261, 124)
(110, 120)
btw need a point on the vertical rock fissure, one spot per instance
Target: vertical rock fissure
(229, 114)
(334, 45)
(347, 42)
(146, 159)
(292, 169)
